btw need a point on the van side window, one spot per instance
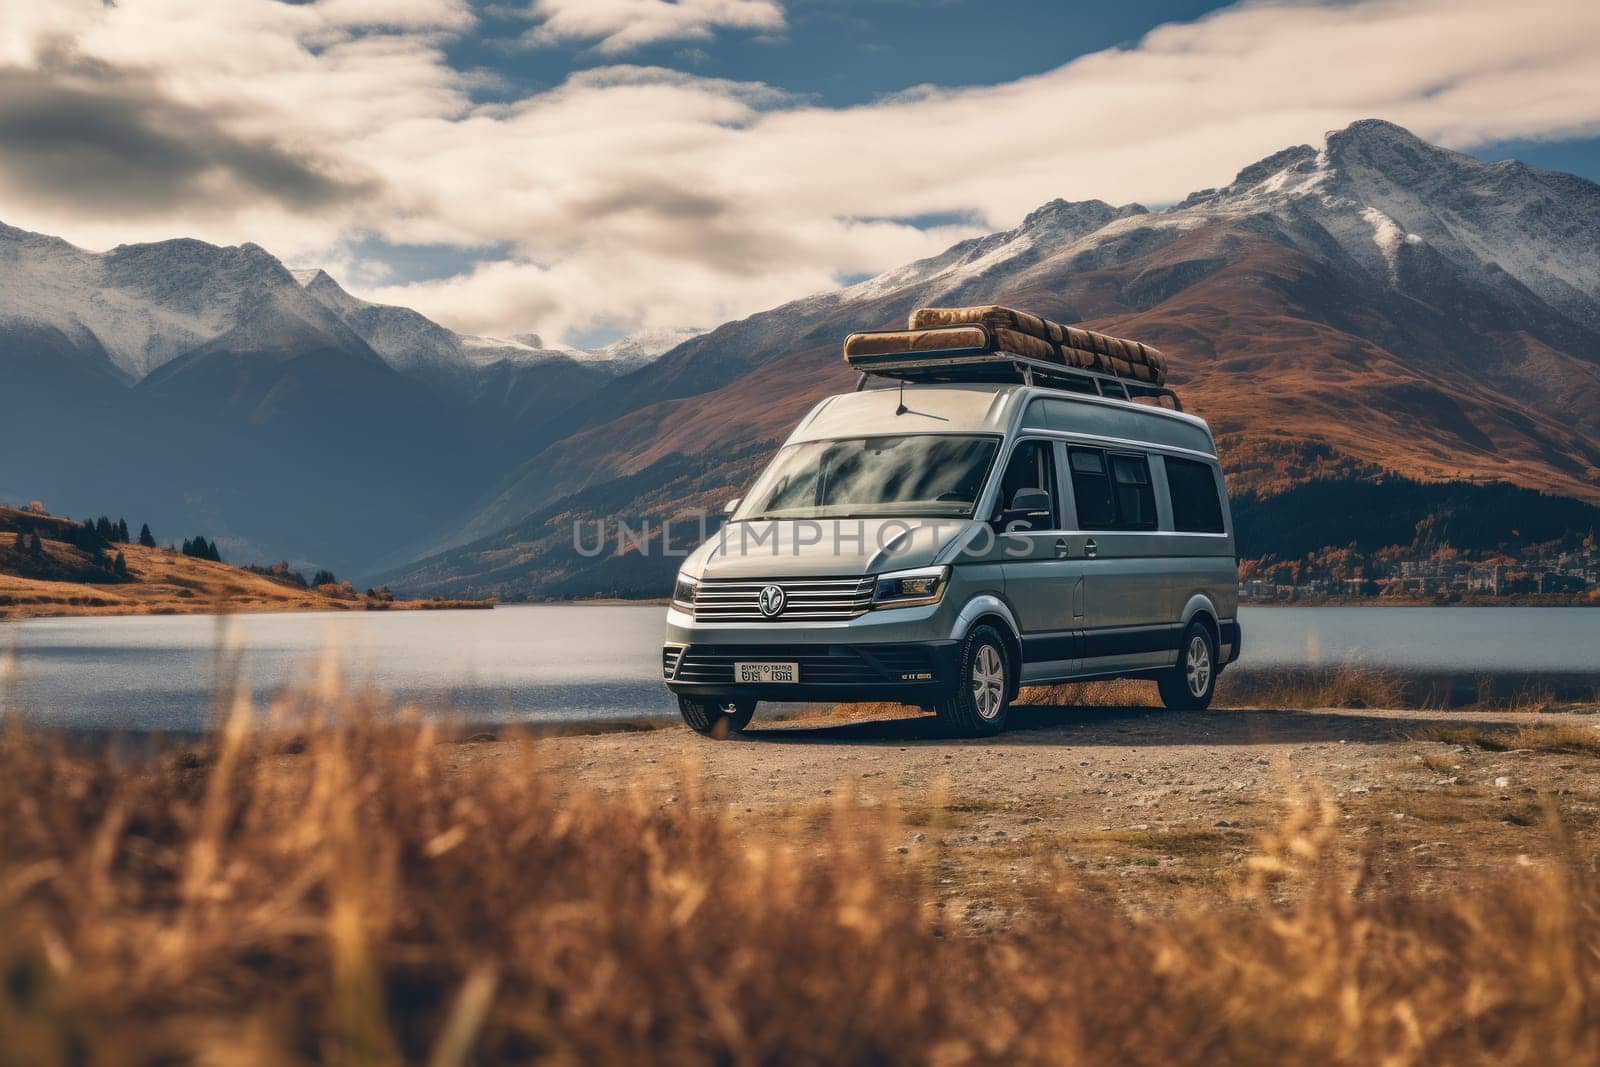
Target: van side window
(1113, 490)
(1032, 466)
(1091, 488)
(1136, 497)
(1196, 507)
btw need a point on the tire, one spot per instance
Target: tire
(1191, 682)
(976, 706)
(716, 719)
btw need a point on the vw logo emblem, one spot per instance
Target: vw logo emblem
(771, 600)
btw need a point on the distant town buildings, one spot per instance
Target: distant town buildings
(1445, 575)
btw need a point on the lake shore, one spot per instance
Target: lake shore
(163, 582)
(1553, 600)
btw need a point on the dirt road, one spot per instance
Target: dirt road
(1146, 804)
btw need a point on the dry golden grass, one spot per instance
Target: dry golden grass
(1566, 737)
(343, 887)
(1329, 687)
(1337, 687)
(1124, 692)
(1281, 689)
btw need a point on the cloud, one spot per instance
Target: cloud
(621, 26)
(632, 196)
(81, 133)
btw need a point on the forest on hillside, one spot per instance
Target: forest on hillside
(1394, 511)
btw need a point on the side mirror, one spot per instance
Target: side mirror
(733, 505)
(1030, 501)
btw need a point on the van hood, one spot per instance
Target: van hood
(794, 548)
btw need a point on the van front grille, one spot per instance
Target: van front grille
(805, 599)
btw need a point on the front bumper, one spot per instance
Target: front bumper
(907, 672)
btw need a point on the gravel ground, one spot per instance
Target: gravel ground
(1149, 806)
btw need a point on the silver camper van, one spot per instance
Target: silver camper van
(963, 524)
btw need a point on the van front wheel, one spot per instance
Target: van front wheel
(1191, 682)
(716, 718)
(977, 704)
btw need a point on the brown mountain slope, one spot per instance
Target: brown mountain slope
(1290, 396)
(1326, 318)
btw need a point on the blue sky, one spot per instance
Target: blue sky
(844, 52)
(585, 168)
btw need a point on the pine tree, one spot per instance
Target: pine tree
(146, 538)
(36, 546)
(120, 565)
(324, 577)
(84, 536)
(200, 548)
(122, 532)
(103, 529)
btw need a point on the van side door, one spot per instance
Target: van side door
(1128, 623)
(1043, 583)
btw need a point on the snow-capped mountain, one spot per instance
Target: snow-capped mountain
(1382, 194)
(212, 388)
(145, 305)
(1373, 304)
(414, 344)
(637, 349)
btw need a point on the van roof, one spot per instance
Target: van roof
(967, 407)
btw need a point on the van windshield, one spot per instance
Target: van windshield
(865, 477)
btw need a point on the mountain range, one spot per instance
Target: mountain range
(1374, 305)
(214, 389)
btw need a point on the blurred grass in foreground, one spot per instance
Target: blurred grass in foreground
(1282, 689)
(1345, 686)
(333, 887)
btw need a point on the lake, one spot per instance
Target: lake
(553, 663)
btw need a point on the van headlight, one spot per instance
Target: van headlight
(904, 589)
(683, 592)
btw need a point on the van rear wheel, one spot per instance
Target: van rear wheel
(977, 704)
(1190, 683)
(716, 718)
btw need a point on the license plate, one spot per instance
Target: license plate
(766, 672)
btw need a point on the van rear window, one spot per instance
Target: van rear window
(1196, 507)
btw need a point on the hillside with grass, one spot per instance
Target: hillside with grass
(50, 565)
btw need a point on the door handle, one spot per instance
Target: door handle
(1063, 550)
(1090, 548)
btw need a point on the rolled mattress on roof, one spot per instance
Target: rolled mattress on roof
(1029, 335)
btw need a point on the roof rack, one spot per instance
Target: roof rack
(989, 365)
